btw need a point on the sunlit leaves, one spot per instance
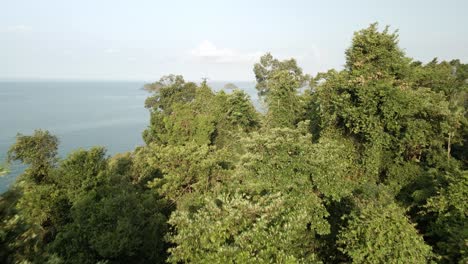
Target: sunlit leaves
(380, 232)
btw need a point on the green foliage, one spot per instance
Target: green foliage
(278, 83)
(366, 166)
(284, 105)
(141, 173)
(242, 229)
(207, 118)
(285, 159)
(185, 125)
(81, 172)
(379, 232)
(189, 170)
(12, 226)
(236, 117)
(392, 120)
(84, 209)
(163, 82)
(168, 90)
(108, 218)
(449, 78)
(376, 55)
(269, 66)
(39, 151)
(240, 111)
(114, 223)
(3, 170)
(32, 212)
(335, 151)
(450, 229)
(270, 220)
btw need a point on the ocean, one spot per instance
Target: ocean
(81, 114)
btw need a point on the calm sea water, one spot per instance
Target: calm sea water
(81, 113)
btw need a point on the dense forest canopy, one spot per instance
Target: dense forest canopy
(367, 164)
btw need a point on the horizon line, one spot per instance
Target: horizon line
(32, 79)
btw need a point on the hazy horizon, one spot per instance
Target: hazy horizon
(112, 80)
(144, 40)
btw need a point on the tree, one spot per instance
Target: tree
(38, 205)
(267, 219)
(11, 228)
(83, 209)
(398, 119)
(240, 111)
(81, 172)
(450, 79)
(284, 105)
(376, 55)
(108, 218)
(379, 232)
(164, 82)
(113, 223)
(168, 91)
(366, 166)
(278, 83)
(235, 228)
(207, 118)
(38, 150)
(286, 160)
(268, 66)
(237, 117)
(374, 103)
(449, 230)
(188, 172)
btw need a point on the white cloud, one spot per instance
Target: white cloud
(17, 29)
(207, 51)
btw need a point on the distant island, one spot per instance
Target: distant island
(230, 86)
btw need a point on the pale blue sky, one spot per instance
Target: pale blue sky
(142, 40)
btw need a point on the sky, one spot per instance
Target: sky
(218, 40)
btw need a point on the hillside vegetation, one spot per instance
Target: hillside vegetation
(367, 164)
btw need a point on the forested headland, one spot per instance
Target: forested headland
(366, 164)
